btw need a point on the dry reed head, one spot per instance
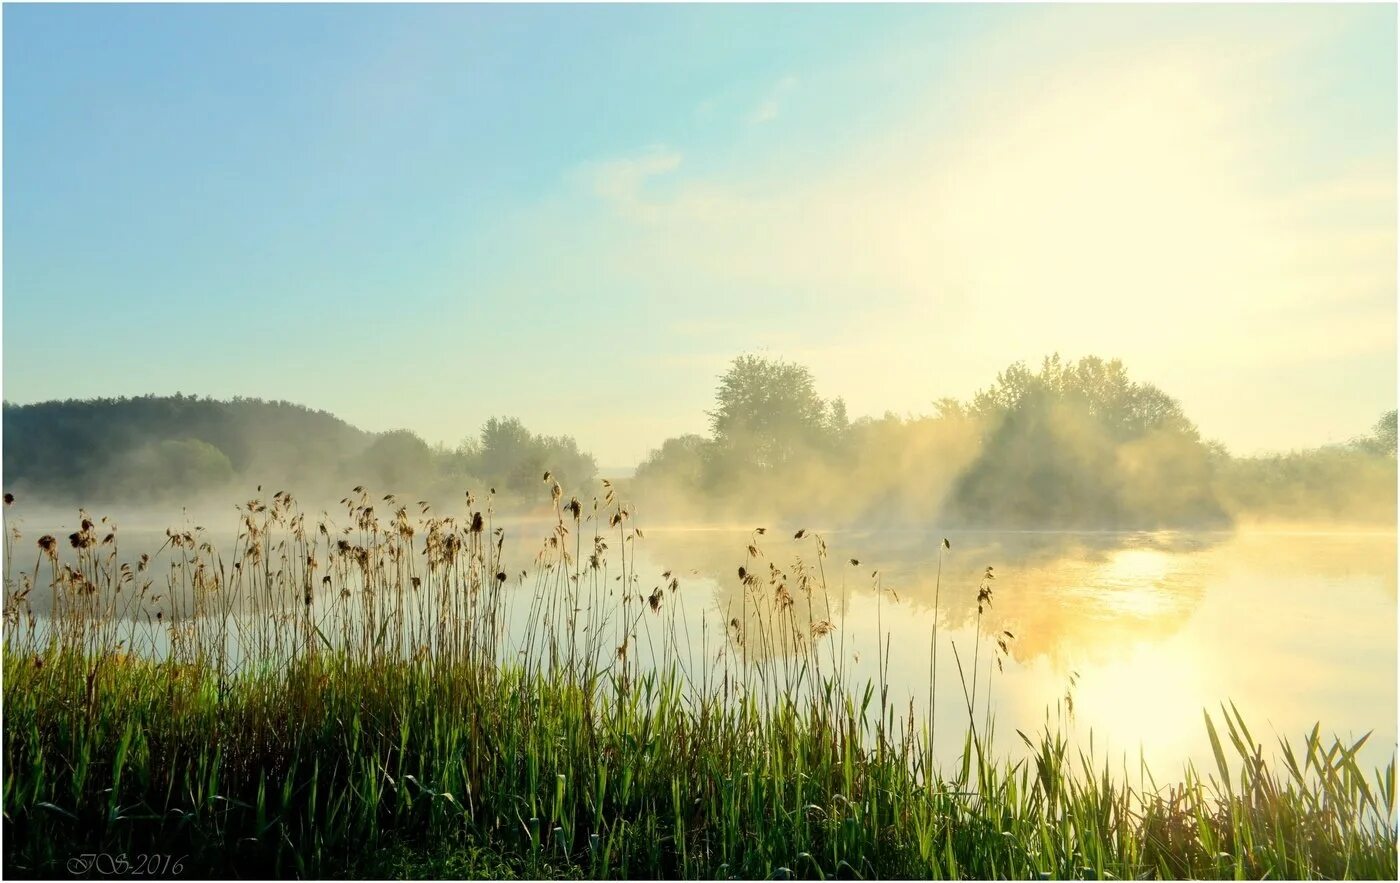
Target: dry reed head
(984, 591)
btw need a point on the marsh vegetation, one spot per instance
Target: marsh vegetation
(386, 691)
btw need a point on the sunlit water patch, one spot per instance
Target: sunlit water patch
(1138, 633)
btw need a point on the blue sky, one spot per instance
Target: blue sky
(420, 216)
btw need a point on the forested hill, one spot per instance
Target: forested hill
(178, 448)
(81, 449)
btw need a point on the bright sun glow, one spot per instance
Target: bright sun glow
(1152, 690)
(1134, 583)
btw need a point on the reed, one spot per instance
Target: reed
(376, 693)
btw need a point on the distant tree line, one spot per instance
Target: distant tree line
(1070, 444)
(174, 448)
(1351, 481)
(1067, 444)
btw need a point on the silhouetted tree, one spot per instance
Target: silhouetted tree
(767, 413)
(1382, 440)
(679, 462)
(512, 459)
(1082, 444)
(397, 460)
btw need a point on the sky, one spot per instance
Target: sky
(423, 216)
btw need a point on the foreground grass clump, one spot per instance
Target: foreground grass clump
(383, 699)
(321, 768)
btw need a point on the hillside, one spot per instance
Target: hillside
(178, 449)
(148, 446)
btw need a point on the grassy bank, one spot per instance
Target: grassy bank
(341, 701)
(317, 769)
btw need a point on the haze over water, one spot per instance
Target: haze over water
(1142, 630)
(1296, 626)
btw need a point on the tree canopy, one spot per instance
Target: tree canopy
(1070, 443)
(174, 447)
(767, 411)
(1080, 443)
(515, 459)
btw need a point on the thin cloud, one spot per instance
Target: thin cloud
(768, 109)
(620, 182)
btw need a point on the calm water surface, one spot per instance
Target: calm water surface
(1141, 631)
(1294, 626)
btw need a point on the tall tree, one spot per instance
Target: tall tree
(1382, 439)
(768, 413)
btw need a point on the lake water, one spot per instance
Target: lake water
(1142, 630)
(1295, 626)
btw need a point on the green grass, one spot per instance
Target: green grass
(331, 744)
